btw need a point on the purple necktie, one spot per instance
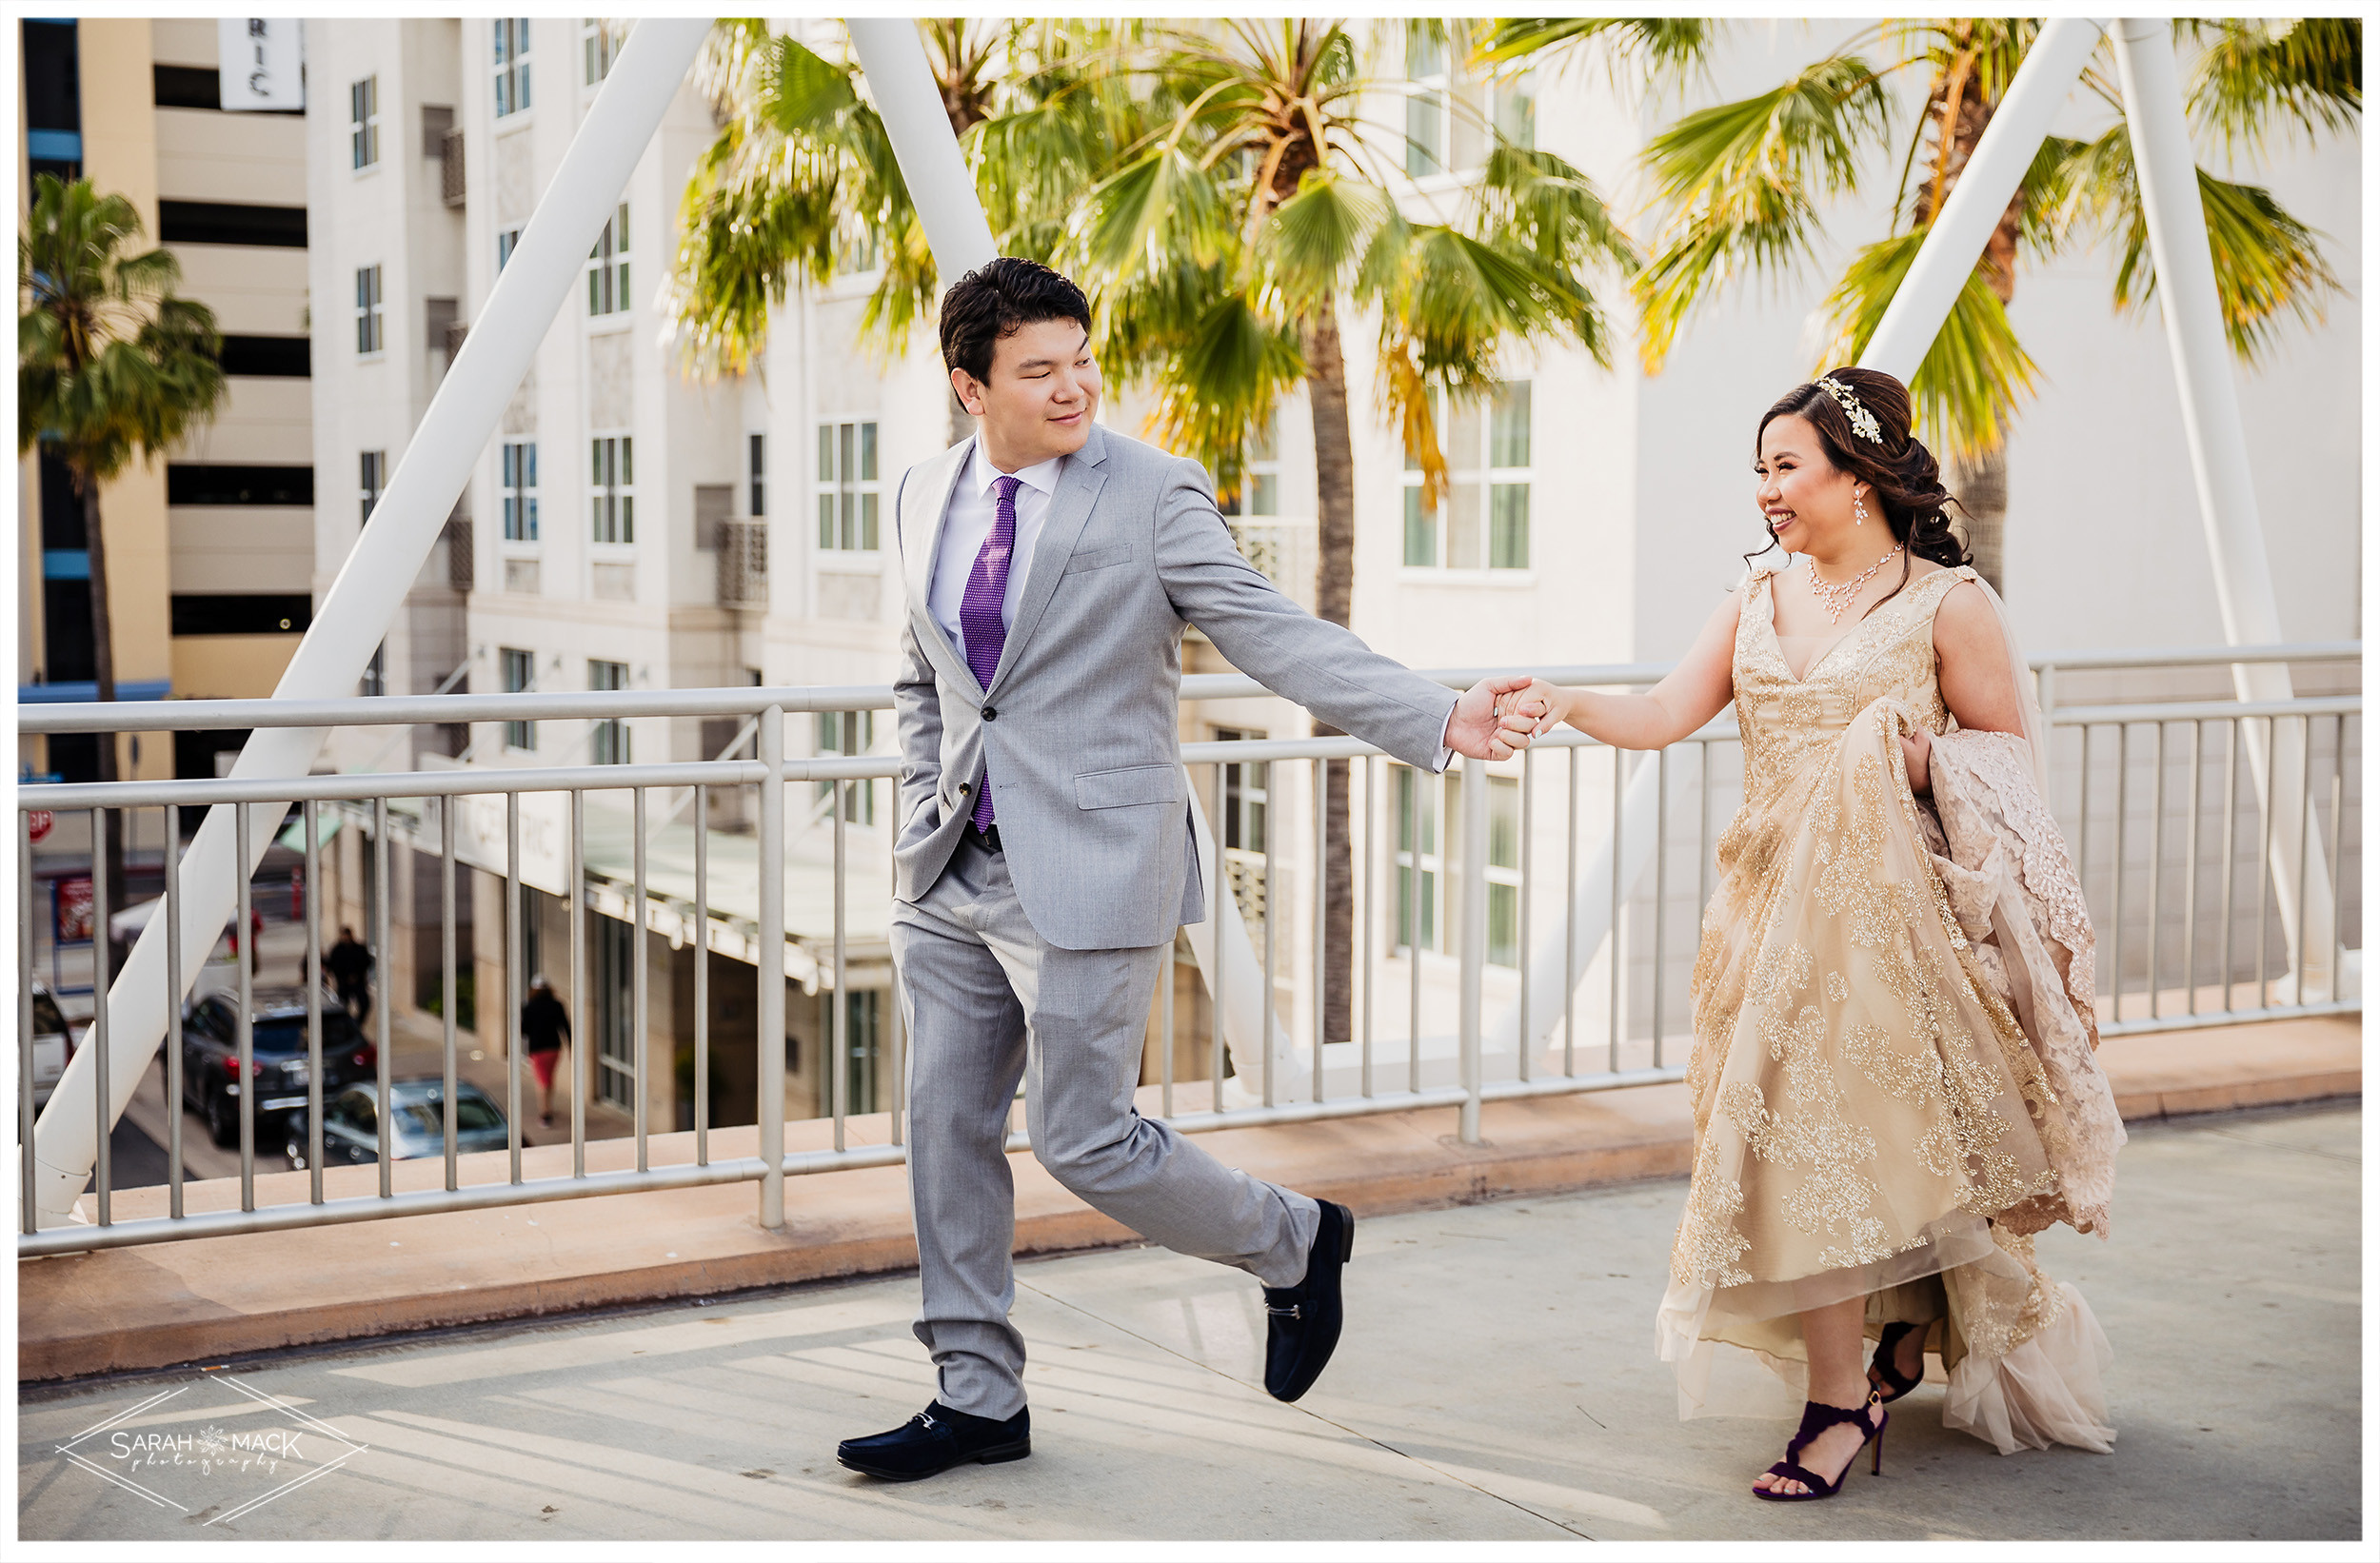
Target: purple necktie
(980, 620)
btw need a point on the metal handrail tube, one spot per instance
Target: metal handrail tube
(224, 1223)
(2208, 710)
(564, 706)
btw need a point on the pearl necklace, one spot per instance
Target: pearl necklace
(1836, 599)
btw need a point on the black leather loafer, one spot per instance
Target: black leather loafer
(1303, 1330)
(934, 1440)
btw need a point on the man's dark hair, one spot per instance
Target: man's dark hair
(998, 299)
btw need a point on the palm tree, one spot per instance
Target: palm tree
(1740, 188)
(1223, 200)
(110, 363)
(1223, 252)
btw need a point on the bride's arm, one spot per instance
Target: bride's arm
(1971, 660)
(1697, 689)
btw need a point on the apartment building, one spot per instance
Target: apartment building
(210, 551)
(629, 527)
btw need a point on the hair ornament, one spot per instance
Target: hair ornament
(1862, 422)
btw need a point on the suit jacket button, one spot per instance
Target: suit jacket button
(965, 785)
(990, 715)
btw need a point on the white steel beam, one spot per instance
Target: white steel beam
(1985, 185)
(355, 615)
(2167, 166)
(911, 104)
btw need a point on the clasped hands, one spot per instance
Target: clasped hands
(1495, 718)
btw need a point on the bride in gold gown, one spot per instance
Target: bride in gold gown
(1894, 1080)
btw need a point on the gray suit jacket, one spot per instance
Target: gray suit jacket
(1080, 723)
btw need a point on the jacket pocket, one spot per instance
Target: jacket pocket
(1133, 785)
(1098, 558)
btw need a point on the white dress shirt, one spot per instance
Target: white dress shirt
(973, 508)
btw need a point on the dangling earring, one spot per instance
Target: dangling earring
(1858, 510)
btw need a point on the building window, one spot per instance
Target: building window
(508, 239)
(1427, 810)
(1259, 483)
(363, 121)
(1414, 800)
(600, 46)
(613, 481)
(367, 339)
(1247, 793)
(610, 746)
(608, 268)
(847, 733)
(512, 64)
(373, 478)
(758, 443)
(847, 485)
(1448, 115)
(520, 492)
(1484, 522)
(520, 673)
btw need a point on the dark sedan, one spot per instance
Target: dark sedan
(210, 1081)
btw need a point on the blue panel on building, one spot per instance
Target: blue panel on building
(65, 564)
(54, 145)
(62, 694)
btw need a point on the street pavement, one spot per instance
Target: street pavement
(1496, 1383)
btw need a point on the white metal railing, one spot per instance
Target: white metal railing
(1461, 899)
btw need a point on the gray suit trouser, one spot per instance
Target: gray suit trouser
(986, 1002)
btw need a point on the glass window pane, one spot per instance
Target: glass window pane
(1458, 435)
(1265, 501)
(1503, 822)
(627, 461)
(848, 440)
(867, 453)
(1462, 526)
(867, 521)
(1509, 424)
(827, 521)
(1517, 111)
(1429, 911)
(846, 515)
(1508, 538)
(1425, 52)
(827, 453)
(1503, 938)
(627, 518)
(1423, 114)
(1420, 530)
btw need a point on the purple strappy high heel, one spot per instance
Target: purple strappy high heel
(1884, 1371)
(1817, 1418)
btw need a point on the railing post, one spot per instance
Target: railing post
(1475, 899)
(771, 1009)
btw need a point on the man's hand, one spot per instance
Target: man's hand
(1478, 732)
(1547, 703)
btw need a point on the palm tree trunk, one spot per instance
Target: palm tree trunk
(1333, 594)
(1980, 484)
(103, 659)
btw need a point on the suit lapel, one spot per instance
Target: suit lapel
(1078, 484)
(924, 519)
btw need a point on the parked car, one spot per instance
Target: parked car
(211, 1057)
(417, 1124)
(52, 1045)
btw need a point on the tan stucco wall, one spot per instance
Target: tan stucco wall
(231, 666)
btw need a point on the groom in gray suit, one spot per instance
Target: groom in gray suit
(1044, 858)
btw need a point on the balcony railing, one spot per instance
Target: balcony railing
(1519, 928)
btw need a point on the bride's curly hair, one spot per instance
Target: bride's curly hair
(1907, 478)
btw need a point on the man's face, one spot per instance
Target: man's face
(1044, 390)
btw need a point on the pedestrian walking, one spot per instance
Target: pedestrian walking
(350, 967)
(545, 1026)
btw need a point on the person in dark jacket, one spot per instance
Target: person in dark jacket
(350, 967)
(545, 1026)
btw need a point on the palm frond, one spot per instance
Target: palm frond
(1223, 377)
(1741, 182)
(1665, 51)
(1318, 235)
(1973, 376)
(2306, 73)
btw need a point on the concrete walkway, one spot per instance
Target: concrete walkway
(1496, 1382)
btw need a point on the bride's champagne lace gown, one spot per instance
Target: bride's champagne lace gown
(1892, 1081)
